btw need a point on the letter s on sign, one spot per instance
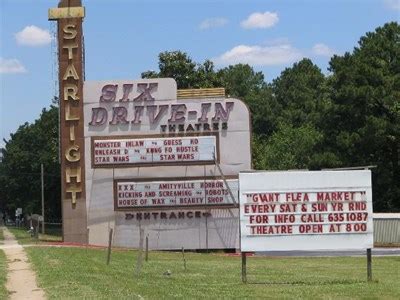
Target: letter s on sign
(70, 32)
(108, 93)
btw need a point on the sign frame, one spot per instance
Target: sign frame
(154, 164)
(169, 207)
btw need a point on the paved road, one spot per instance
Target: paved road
(375, 252)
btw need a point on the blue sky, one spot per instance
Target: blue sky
(123, 38)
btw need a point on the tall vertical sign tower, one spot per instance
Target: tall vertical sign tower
(69, 16)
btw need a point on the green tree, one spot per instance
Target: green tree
(291, 147)
(188, 74)
(242, 82)
(365, 120)
(297, 110)
(20, 180)
(302, 95)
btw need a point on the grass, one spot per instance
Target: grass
(81, 273)
(24, 237)
(3, 276)
(1, 235)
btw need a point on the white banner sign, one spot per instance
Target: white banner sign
(306, 210)
(130, 194)
(171, 150)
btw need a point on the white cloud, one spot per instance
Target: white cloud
(322, 50)
(260, 20)
(213, 23)
(393, 4)
(11, 66)
(33, 36)
(259, 55)
(277, 41)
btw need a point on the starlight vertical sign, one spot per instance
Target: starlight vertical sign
(69, 16)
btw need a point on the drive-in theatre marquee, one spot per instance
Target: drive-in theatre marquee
(139, 154)
(167, 165)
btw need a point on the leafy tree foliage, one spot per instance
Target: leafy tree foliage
(301, 104)
(301, 94)
(366, 115)
(20, 173)
(241, 81)
(188, 74)
(292, 147)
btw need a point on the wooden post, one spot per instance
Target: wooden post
(42, 181)
(109, 246)
(147, 248)
(207, 233)
(183, 257)
(244, 275)
(87, 239)
(37, 230)
(369, 264)
(140, 254)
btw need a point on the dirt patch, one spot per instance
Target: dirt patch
(21, 279)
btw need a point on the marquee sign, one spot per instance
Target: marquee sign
(306, 210)
(173, 193)
(136, 151)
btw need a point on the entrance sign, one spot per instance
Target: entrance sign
(157, 150)
(306, 210)
(176, 193)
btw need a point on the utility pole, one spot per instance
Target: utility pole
(42, 173)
